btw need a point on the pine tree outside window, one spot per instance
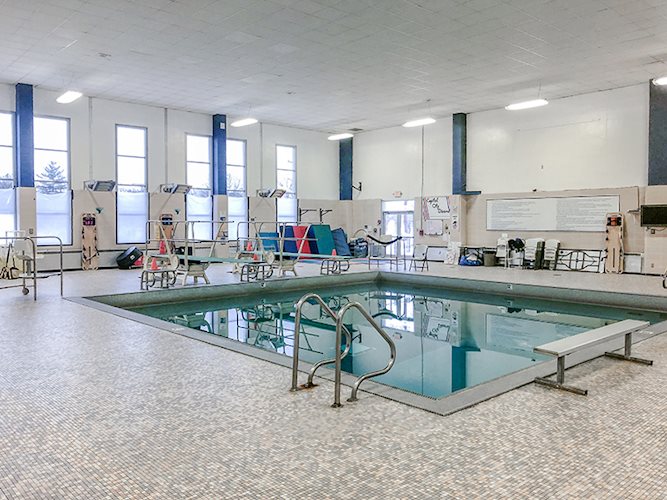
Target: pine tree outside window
(52, 179)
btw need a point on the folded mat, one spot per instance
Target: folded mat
(340, 242)
(300, 232)
(324, 242)
(270, 241)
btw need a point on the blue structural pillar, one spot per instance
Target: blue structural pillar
(219, 163)
(657, 135)
(345, 162)
(459, 154)
(24, 136)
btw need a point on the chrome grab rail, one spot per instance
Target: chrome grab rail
(297, 330)
(383, 334)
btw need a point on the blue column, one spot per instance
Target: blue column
(219, 163)
(24, 136)
(459, 154)
(345, 162)
(657, 135)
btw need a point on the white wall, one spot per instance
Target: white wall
(7, 97)
(597, 140)
(390, 160)
(92, 152)
(316, 158)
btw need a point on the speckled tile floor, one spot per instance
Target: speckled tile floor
(97, 406)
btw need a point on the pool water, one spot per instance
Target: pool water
(445, 342)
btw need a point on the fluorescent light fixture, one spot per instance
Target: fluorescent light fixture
(660, 81)
(419, 123)
(69, 96)
(244, 122)
(338, 137)
(536, 103)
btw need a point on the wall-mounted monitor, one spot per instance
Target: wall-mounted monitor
(654, 215)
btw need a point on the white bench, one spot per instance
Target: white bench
(568, 345)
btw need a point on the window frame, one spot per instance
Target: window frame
(12, 148)
(296, 185)
(239, 233)
(210, 176)
(145, 186)
(68, 120)
(294, 148)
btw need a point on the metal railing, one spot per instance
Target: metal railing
(297, 331)
(366, 376)
(31, 262)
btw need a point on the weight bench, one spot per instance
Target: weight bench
(568, 345)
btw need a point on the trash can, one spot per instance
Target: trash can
(489, 258)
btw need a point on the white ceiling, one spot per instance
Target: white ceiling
(332, 64)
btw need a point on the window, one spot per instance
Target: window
(7, 200)
(132, 182)
(52, 180)
(237, 201)
(286, 179)
(199, 201)
(398, 220)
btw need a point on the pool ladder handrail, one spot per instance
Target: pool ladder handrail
(339, 329)
(297, 331)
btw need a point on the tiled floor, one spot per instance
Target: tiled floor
(97, 406)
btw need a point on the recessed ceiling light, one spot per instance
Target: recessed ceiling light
(660, 81)
(338, 137)
(536, 103)
(69, 96)
(244, 122)
(419, 123)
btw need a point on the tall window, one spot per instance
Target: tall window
(7, 200)
(132, 179)
(286, 179)
(398, 220)
(52, 179)
(237, 201)
(199, 201)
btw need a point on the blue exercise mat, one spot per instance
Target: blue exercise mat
(340, 242)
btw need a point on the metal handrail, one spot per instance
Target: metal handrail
(33, 244)
(297, 330)
(383, 334)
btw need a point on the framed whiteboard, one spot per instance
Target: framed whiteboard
(437, 207)
(574, 213)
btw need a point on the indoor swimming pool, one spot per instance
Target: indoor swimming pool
(446, 340)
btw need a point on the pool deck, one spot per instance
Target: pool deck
(98, 406)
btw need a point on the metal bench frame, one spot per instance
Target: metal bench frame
(552, 349)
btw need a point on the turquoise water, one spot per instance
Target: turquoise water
(445, 342)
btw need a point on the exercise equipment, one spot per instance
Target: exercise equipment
(90, 256)
(614, 261)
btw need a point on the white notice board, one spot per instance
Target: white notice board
(574, 213)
